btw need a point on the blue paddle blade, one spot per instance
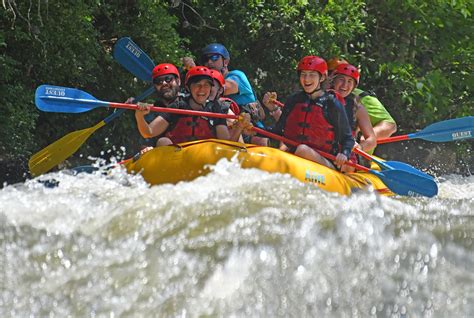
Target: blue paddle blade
(130, 56)
(50, 98)
(406, 183)
(406, 167)
(448, 130)
(390, 165)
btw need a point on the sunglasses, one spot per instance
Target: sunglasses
(213, 57)
(159, 80)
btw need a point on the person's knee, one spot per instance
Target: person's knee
(390, 128)
(303, 150)
(385, 129)
(393, 128)
(259, 141)
(164, 141)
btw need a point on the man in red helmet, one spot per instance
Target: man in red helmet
(167, 83)
(166, 80)
(313, 117)
(182, 128)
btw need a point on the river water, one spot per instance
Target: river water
(237, 242)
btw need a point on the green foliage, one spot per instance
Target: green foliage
(418, 55)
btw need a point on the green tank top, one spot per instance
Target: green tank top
(374, 107)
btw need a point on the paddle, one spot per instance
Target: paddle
(399, 180)
(55, 153)
(129, 55)
(391, 165)
(59, 99)
(62, 99)
(443, 131)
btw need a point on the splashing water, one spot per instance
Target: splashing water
(236, 242)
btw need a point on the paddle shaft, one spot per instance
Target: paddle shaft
(278, 103)
(392, 139)
(141, 97)
(371, 158)
(170, 110)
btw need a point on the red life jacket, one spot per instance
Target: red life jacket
(306, 124)
(189, 128)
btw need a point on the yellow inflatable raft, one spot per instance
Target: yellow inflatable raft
(187, 161)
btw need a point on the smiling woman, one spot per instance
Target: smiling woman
(200, 90)
(344, 79)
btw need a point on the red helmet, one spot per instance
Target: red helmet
(349, 70)
(164, 69)
(218, 77)
(198, 73)
(313, 63)
(335, 62)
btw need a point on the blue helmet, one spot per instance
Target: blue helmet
(216, 48)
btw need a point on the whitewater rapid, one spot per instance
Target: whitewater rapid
(237, 242)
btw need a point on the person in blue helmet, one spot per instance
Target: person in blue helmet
(237, 86)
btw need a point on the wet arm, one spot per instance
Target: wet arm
(231, 87)
(155, 128)
(222, 132)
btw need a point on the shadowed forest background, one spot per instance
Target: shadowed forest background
(417, 56)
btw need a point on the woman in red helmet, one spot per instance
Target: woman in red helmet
(182, 128)
(382, 122)
(314, 117)
(344, 80)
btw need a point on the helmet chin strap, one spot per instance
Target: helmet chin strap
(317, 89)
